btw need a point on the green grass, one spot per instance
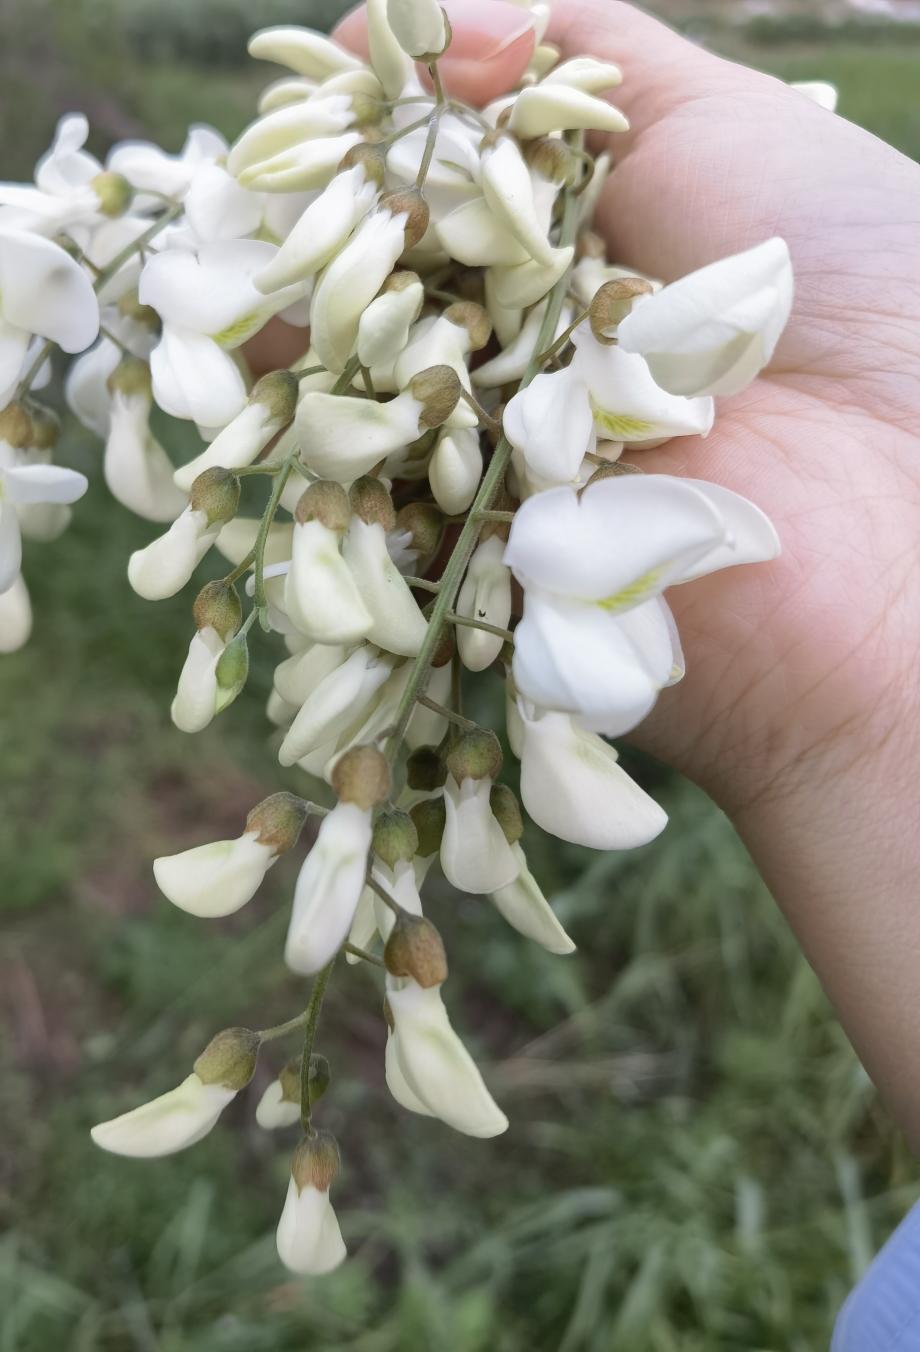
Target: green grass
(696, 1162)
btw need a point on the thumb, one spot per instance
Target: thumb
(492, 43)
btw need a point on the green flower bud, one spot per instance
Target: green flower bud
(319, 1079)
(232, 671)
(278, 392)
(216, 492)
(415, 949)
(217, 606)
(278, 820)
(437, 389)
(425, 769)
(395, 837)
(475, 755)
(370, 499)
(229, 1058)
(316, 1161)
(114, 192)
(429, 817)
(362, 777)
(507, 812)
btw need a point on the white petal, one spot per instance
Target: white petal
(301, 50)
(474, 235)
(328, 889)
(455, 470)
(752, 537)
(14, 346)
(194, 378)
(214, 879)
(518, 287)
(169, 1123)
(86, 389)
(10, 545)
(397, 1083)
(320, 232)
(44, 483)
(383, 329)
(475, 854)
(298, 675)
(274, 1110)
(309, 165)
(350, 283)
(628, 405)
(138, 472)
(337, 701)
(547, 107)
(195, 703)
(551, 424)
(342, 437)
(308, 1237)
(485, 595)
(524, 906)
(166, 564)
(217, 207)
(15, 615)
(397, 623)
(43, 290)
(321, 595)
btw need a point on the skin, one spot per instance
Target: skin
(799, 711)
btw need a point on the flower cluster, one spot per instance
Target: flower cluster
(444, 494)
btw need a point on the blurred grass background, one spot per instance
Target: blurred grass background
(696, 1161)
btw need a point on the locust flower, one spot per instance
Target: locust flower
(151, 170)
(553, 106)
(187, 1113)
(508, 189)
(165, 565)
(320, 593)
(137, 470)
(713, 331)
(597, 639)
(279, 1105)
(308, 1237)
(475, 854)
(397, 623)
(383, 328)
(335, 703)
(269, 409)
(522, 902)
(43, 291)
(420, 27)
(300, 49)
(428, 1069)
(321, 231)
(217, 663)
(485, 595)
(455, 469)
(332, 877)
(218, 878)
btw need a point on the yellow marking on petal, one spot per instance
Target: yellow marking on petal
(239, 330)
(637, 591)
(620, 426)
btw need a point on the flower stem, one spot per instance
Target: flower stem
(468, 623)
(268, 516)
(451, 715)
(311, 1020)
(282, 1029)
(363, 954)
(384, 896)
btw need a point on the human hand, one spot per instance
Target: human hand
(798, 710)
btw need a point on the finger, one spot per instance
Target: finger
(492, 44)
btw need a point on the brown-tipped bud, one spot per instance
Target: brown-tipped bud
(466, 314)
(217, 606)
(131, 308)
(612, 470)
(232, 672)
(395, 837)
(114, 192)
(316, 1162)
(16, 426)
(476, 755)
(416, 949)
(425, 525)
(437, 389)
(278, 821)
(216, 492)
(400, 280)
(372, 159)
(611, 304)
(362, 777)
(507, 812)
(370, 499)
(590, 244)
(278, 392)
(444, 652)
(425, 771)
(229, 1058)
(429, 816)
(324, 501)
(46, 427)
(131, 376)
(552, 159)
(411, 203)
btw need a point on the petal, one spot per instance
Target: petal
(526, 909)
(216, 879)
(44, 483)
(752, 537)
(14, 345)
(217, 207)
(43, 290)
(475, 854)
(10, 545)
(551, 424)
(328, 889)
(194, 378)
(397, 623)
(320, 593)
(308, 1238)
(628, 405)
(169, 1123)
(15, 610)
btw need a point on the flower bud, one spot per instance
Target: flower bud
(429, 817)
(395, 837)
(424, 523)
(455, 470)
(232, 671)
(308, 1237)
(415, 949)
(507, 812)
(16, 426)
(438, 390)
(612, 303)
(371, 159)
(278, 821)
(362, 777)
(411, 203)
(216, 492)
(319, 1078)
(316, 1161)
(425, 771)
(476, 755)
(229, 1059)
(552, 159)
(114, 193)
(217, 605)
(474, 318)
(326, 502)
(524, 906)
(371, 501)
(420, 27)
(557, 107)
(383, 328)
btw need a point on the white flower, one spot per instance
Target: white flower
(517, 287)
(475, 235)
(215, 879)
(425, 1056)
(137, 470)
(475, 855)
(287, 127)
(383, 329)
(164, 566)
(208, 305)
(336, 702)
(485, 595)
(397, 623)
(22, 485)
(388, 60)
(328, 888)
(15, 616)
(275, 1110)
(439, 342)
(455, 469)
(270, 408)
(298, 675)
(321, 231)
(511, 363)
(307, 165)
(63, 195)
(169, 1123)
(714, 330)
(419, 26)
(198, 696)
(548, 107)
(42, 291)
(151, 170)
(308, 1237)
(509, 192)
(596, 638)
(551, 423)
(321, 595)
(572, 786)
(217, 207)
(303, 51)
(585, 73)
(342, 437)
(524, 906)
(350, 283)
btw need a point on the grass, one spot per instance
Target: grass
(696, 1161)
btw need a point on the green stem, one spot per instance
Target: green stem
(430, 143)
(384, 895)
(311, 1020)
(458, 720)
(501, 517)
(44, 352)
(282, 1029)
(439, 97)
(467, 623)
(268, 516)
(136, 246)
(423, 583)
(469, 535)
(363, 954)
